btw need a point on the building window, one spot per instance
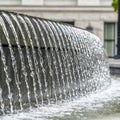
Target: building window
(109, 38)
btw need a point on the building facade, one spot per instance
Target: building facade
(96, 16)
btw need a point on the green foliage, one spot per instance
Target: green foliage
(115, 5)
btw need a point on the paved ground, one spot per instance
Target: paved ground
(114, 62)
(114, 66)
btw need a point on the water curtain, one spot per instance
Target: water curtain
(44, 62)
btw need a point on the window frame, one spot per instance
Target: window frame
(111, 40)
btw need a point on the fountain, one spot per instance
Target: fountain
(44, 62)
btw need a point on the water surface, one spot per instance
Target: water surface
(100, 105)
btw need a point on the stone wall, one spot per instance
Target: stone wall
(57, 2)
(81, 16)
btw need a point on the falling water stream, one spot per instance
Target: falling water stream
(50, 70)
(100, 105)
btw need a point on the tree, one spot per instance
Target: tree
(115, 5)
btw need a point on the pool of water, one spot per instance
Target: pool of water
(100, 105)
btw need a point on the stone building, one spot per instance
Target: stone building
(96, 16)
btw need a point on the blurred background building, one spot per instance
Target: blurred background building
(96, 16)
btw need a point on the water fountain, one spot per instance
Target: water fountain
(44, 62)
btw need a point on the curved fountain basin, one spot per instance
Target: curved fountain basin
(45, 61)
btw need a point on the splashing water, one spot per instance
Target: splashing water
(44, 62)
(100, 105)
